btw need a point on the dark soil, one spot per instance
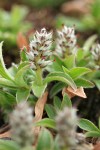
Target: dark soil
(89, 108)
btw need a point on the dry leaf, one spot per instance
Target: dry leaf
(4, 128)
(5, 135)
(71, 93)
(76, 7)
(22, 41)
(39, 107)
(97, 146)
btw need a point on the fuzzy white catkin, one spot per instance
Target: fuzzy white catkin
(40, 49)
(66, 41)
(66, 121)
(21, 122)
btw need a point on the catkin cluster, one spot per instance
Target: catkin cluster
(66, 121)
(21, 121)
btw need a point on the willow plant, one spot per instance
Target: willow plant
(26, 79)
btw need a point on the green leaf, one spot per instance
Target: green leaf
(38, 90)
(69, 61)
(57, 64)
(84, 83)
(56, 143)
(19, 80)
(47, 122)
(22, 94)
(13, 69)
(92, 134)
(7, 100)
(97, 83)
(50, 110)
(56, 89)
(80, 55)
(65, 70)
(60, 76)
(99, 123)
(83, 63)
(45, 140)
(96, 74)
(23, 64)
(7, 83)
(87, 125)
(23, 55)
(8, 145)
(78, 71)
(3, 71)
(66, 102)
(57, 102)
(58, 60)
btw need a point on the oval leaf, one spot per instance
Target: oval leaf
(38, 90)
(78, 71)
(47, 122)
(92, 134)
(87, 125)
(45, 140)
(22, 95)
(60, 76)
(84, 83)
(57, 102)
(19, 77)
(56, 88)
(50, 110)
(7, 83)
(66, 102)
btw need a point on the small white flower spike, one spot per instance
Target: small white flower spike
(66, 41)
(21, 122)
(40, 49)
(66, 122)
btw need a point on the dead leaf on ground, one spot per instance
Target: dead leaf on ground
(71, 92)
(22, 41)
(39, 108)
(5, 135)
(77, 7)
(97, 146)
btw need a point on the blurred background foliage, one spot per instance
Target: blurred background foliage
(85, 15)
(13, 22)
(89, 19)
(44, 3)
